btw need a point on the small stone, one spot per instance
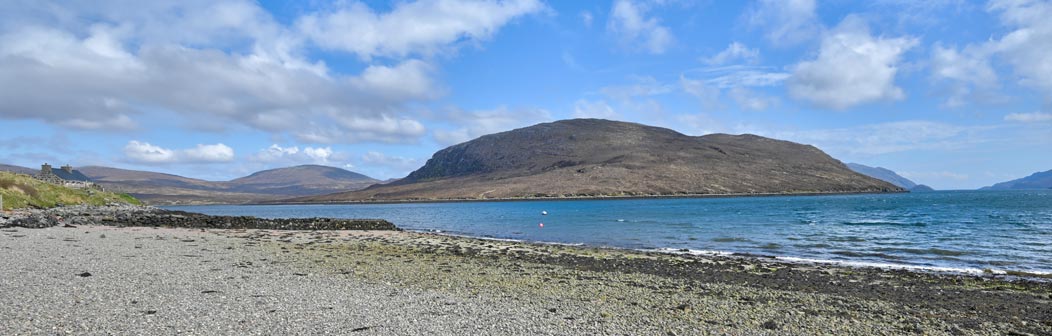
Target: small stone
(771, 325)
(84, 275)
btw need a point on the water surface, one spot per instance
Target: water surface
(968, 230)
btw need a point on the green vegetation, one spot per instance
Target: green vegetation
(24, 191)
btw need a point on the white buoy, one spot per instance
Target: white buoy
(544, 212)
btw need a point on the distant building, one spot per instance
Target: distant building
(65, 176)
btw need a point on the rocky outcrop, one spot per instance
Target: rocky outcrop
(124, 215)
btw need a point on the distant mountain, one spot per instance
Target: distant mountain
(882, 174)
(160, 188)
(593, 158)
(18, 169)
(921, 188)
(1039, 180)
(302, 180)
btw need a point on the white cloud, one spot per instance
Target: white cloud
(144, 152)
(852, 68)
(750, 100)
(594, 109)
(422, 27)
(629, 23)
(642, 87)
(478, 123)
(968, 70)
(1024, 49)
(734, 52)
(586, 19)
(293, 155)
(225, 64)
(1029, 117)
(708, 95)
(389, 165)
(891, 137)
(786, 22)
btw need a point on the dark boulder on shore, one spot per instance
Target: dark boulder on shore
(124, 216)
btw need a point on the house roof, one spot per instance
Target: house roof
(76, 175)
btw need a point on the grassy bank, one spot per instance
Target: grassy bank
(24, 191)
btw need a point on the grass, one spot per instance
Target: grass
(24, 191)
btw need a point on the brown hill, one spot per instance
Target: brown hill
(160, 188)
(595, 158)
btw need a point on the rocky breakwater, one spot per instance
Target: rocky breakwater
(129, 215)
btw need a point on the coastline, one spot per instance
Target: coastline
(398, 282)
(577, 198)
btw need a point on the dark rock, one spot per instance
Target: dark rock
(771, 325)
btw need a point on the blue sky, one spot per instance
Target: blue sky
(954, 94)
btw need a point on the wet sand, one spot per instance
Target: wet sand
(168, 281)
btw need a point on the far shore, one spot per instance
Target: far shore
(573, 198)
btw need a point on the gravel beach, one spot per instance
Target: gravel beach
(93, 279)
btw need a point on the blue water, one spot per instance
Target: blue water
(966, 230)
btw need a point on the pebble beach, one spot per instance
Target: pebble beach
(103, 279)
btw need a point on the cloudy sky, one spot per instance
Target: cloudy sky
(954, 94)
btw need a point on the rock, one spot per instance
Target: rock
(771, 325)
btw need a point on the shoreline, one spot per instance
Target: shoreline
(993, 274)
(403, 282)
(573, 198)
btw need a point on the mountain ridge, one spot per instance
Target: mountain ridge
(1038, 180)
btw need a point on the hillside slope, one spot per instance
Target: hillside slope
(22, 191)
(1039, 180)
(593, 158)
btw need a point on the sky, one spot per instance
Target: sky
(953, 94)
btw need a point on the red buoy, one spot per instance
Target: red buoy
(541, 225)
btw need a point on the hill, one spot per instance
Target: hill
(18, 169)
(22, 191)
(921, 188)
(160, 188)
(301, 180)
(882, 174)
(597, 158)
(1039, 180)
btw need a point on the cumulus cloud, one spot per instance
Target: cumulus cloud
(1024, 49)
(852, 68)
(474, 124)
(969, 72)
(1029, 117)
(222, 64)
(786, 22)
(734, 52)
(144, 152)
(295, 156)
(422, 27)
(630, 24)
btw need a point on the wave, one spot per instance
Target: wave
(862, 264)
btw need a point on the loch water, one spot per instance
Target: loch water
(969, 231)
